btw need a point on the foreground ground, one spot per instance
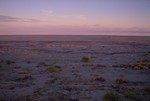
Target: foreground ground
(74, 71)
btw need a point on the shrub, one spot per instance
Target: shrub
(86, 58)
(112, 96)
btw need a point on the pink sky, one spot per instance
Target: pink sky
(74, 17)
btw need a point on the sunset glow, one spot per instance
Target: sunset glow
(74, 16)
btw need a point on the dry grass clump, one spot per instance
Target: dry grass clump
(122, 65)
(112, 96)
(54, 68)
(131, 95)
(94, 67)
(121, 80)
(17, 67)
(99, 65)
(1, 61)
(9, 62)
(28, 62)
(68, 88)
(60, 96)
(138, 66)
(51, 81)
(146, 90)
(130, 89)
(25, 98)
(87, 58)
(25, 71)
(26, 77)
(71, 88)
(100, 79)
(135, 96)
(144, 64)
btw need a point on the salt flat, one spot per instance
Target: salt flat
(53, 68)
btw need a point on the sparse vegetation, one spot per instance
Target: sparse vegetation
(54, 68)
(25, 98)
(38, 92)
(137, 82)
(135, 96)
(8, 62)
(94, 67)
(42, 64)
(48, 82)
(115, 65)
(130, 89)
(131, 95)
(17, 67)
(122, 65)
(68, 88)
(138, 66)
(25, 71)
(145, 61)
(99, 65)
(100, 79)
(147, 90)
(145, 64)
(26, 77)
(51, 81)
(121, 80)
(86, 58)
(2, 61)
(112, 96)
(28, 62)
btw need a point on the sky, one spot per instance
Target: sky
(74, 17)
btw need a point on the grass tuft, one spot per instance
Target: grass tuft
(112, 96)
